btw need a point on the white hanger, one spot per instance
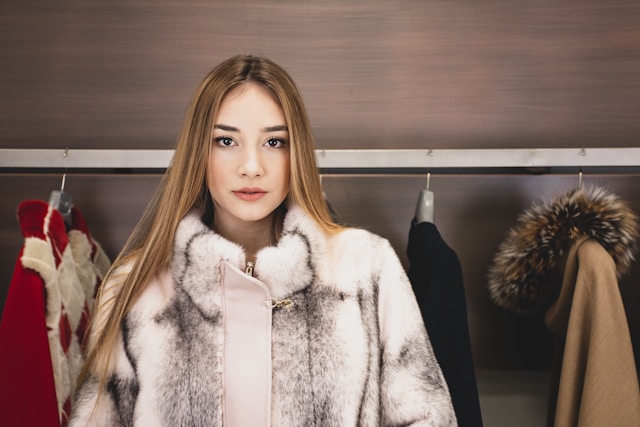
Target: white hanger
(60, 200)
(425, 205)
(580, 183)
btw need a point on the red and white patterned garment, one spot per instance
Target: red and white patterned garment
(45, 316)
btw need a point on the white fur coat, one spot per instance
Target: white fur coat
(351, 349)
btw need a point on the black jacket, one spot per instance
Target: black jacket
(436, 277)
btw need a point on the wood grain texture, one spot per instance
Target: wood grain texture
(374, 74)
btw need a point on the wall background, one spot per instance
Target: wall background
(374, 74)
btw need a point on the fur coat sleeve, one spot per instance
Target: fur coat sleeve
(408, 357)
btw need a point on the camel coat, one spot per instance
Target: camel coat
(597, 383)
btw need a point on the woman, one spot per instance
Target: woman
(237, 301)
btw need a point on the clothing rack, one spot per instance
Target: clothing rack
(337, 161)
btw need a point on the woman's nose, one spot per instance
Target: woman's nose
(251, 164)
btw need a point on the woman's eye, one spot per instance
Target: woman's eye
(224, 141)
(275, 142)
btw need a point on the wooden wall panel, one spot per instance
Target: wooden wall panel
(409, 74)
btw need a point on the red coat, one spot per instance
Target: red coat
(45, 316)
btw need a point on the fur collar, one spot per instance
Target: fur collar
(285, 268)
(526, 271)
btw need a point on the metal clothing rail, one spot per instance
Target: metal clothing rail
(537, 160)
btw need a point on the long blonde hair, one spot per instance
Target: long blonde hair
(184, 186)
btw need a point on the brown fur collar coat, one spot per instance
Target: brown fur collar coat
(525, 276)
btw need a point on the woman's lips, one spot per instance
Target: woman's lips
(250, 194)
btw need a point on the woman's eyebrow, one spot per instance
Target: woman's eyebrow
(227, 128)
(277, 128)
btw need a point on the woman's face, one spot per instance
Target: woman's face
(248, 168)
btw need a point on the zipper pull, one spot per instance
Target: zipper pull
(274, 304)
(249, 269)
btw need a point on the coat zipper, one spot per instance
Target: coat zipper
(249, 268)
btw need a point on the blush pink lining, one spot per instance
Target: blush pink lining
(247, 352)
